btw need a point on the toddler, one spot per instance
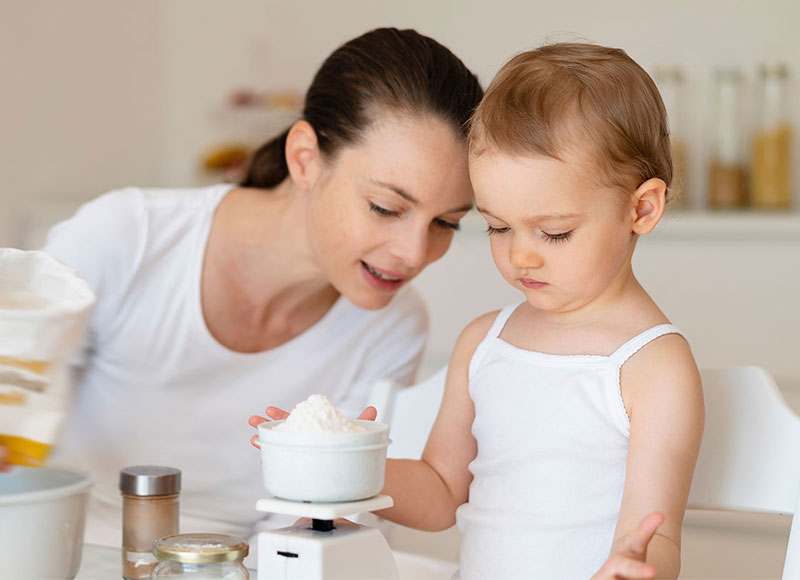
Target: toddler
(571, 422)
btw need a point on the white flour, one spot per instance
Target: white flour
(317, 415)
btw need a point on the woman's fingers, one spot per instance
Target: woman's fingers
(4, 467)
(369, 414)
(254, 442)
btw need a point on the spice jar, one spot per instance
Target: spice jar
(771, 142)
(726, 172)
(149, 511)
(669, 79)
(201, 557)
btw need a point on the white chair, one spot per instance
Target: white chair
(750, 456)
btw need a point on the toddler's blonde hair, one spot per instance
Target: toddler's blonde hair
(567, 96)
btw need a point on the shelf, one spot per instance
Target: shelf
(729, 225)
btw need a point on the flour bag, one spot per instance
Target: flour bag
(44, 307)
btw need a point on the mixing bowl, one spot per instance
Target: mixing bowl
(324, 467)
(42, 515)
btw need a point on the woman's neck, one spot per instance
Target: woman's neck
(260, 284)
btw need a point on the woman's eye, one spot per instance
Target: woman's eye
(492, 231)
(446, 225)
(382, 210)
(561, 237)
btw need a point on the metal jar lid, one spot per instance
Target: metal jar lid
(200, 548)
(147, 480)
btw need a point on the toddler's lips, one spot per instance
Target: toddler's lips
(532, 284)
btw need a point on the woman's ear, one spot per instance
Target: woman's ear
(303, 157)
(649, 201)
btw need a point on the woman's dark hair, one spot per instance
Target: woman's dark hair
(386, 67)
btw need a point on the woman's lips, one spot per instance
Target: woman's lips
(382, 280)
(532, 284)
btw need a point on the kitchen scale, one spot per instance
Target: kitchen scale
(325, 548)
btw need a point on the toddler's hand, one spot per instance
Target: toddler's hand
(276, 414)
(628, 555)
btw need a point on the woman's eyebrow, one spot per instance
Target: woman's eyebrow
(411, 199)
(398, 190)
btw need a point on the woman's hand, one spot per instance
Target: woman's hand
(276, 414)
(4, 466)
(628, 554)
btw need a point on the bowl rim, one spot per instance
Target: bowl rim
(83, 484)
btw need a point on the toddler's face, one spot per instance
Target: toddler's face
(557, 233)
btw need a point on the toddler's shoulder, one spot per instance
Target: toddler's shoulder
(473, 334)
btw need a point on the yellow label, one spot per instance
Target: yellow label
(23, 451)
(36, 367)
(13, 398)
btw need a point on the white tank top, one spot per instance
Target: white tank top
(552, 435)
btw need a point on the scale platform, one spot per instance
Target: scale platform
(323, 511)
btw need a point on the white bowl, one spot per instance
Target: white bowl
(42, 516)
(323, 467)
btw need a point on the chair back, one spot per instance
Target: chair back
(750, 455)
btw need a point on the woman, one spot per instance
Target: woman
(214, 301)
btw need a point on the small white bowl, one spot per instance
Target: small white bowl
(324, 467)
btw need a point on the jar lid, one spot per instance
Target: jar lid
(146, 480)
(773, 69)
(200, 548)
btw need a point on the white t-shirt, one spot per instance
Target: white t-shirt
(156, 388)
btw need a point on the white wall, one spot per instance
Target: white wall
(79, 101)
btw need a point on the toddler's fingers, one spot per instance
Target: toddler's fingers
(368, 414)
(255, 420)
(276, 414)
(254, 442)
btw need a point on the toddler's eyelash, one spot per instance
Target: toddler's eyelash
(495, 231)
(557, 238)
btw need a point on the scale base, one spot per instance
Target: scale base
(349, 551)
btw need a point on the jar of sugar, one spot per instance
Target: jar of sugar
(200, 557)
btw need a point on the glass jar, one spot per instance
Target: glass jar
(770, 187)
(149, 511)
(200, 557)
(726, 169)
(669, 80)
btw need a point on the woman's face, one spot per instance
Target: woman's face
(388, 206)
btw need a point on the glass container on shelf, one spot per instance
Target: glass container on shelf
(771, 170)
(669, 79)
(726, 169)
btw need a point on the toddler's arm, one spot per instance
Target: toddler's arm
(427, 492)
(663, 395)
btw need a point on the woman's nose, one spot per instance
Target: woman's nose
(412, 249)
(522, 253)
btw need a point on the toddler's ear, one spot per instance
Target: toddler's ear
(649, 200)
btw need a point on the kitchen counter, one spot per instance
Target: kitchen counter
(104, 563)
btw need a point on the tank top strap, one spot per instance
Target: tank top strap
(491, 335)
(502, 318)
(633, 345)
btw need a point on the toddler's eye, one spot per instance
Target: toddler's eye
(560, 237)
(382, 210)
(495, 231)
